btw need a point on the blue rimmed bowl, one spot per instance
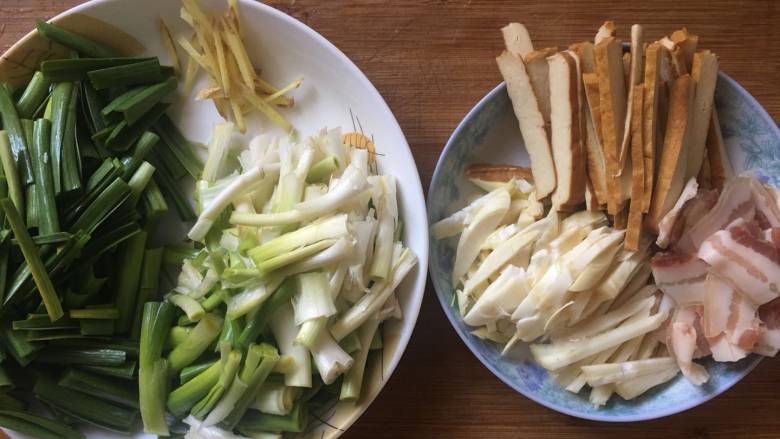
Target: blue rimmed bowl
(489, 133)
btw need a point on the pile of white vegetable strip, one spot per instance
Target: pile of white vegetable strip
(563, 282)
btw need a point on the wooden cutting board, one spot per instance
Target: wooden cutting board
(432, 60)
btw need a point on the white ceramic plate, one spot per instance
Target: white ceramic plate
(285, 49)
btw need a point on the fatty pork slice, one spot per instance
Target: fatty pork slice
(718, 296)
(731, 321)
(674, 216)
(743, 329)
(691, 213)
(769, 343)
(681, 276)
(767, 211)
(741, 256)
(683, 343)
(736, 201)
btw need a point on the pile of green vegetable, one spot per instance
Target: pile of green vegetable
(90, 162)
(268, 319)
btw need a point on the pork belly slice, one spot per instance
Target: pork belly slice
(674, 216)
(769, 343)
(683, 344)
(743, 329)
(730, 320)
(740, 255)
(723, 351)
(718, 296)
(736, 201)
(766, 205)
(681, 276)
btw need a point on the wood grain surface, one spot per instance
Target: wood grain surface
(432, 60)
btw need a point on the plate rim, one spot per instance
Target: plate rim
(420, 281)
(467, 338)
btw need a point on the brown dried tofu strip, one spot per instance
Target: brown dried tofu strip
(720, 165)
(591, 202)
(634, 228)
(655, 54)
(516, 39)
(705, 176)
(687, 42)
(538, 72)
(566, 131)
(633, 76)
(503, 173)
(530, 120)
(591, 120)
(627, 70)
(671, 171)
(605, 31)
(612, 94)
(620, 219)
(705, 74)
(678, 62)
(586, 52)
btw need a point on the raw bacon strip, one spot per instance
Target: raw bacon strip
(683, 345)
(668, 222)
(743, 328)
(773, 235)
(718, 296)
(766, 204)
(736, 201)
(769, 343)
(770, 314)
(681, 276)
(691, 213)
(740, 255)
(723, 351)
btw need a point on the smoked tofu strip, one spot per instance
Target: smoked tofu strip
(635, 70)
(612, 94)
(538, 71)
(652, 88)
(565, 128)
(634, 229)
(597, 171)
(720, 165)
(705, 73)
(687, 42)
(531, 122)
(516, 39)
(671, 171)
